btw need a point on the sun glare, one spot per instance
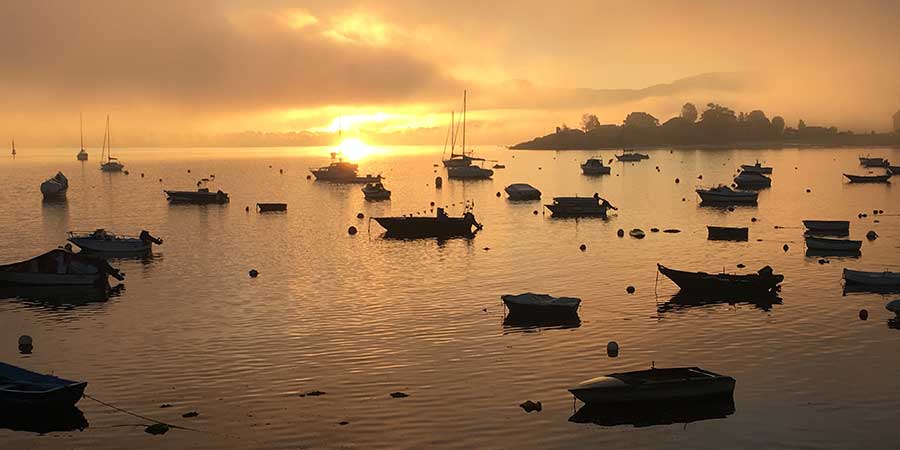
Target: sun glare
(355, 149)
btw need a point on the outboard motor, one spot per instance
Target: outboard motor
(146, 237)
(470, 218)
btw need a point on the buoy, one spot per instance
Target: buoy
(583, 247)
(247, 208)
(753, 219)
(677, 181)
(612, 349)
(863, 314)
(160, 180)
(823, 261)
(360, 216)
(539, 168)
(880, 211)
(700, 177)
(280, 170)
(874, 211)
(871, 235)
(741, 265)
(498, 194)
(309, 177)
(438, 182)
(731, 208)
(432, 203)
(26, 344)
(486, 248)
(630, 289)
(620, 233)
(351, 231)
(535, 212)
(142, 174)
(808, 191)
(189, 170)
(785, 247)
(254, 273)
(683, 199)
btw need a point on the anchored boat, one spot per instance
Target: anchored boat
(885, 278)
(724, 195)
(440, 226)
(756, 168)
(727, 233)
(868, 178)
(764, 280)
(376, 191)
(340, 171)
(653, 385)
(838, 245)
(580, 206)
(111, 164)
(522, 192)
(60, 267)
(631, 157)
(201, 196)
(24, 390)
(542, 305)
(833, 227)
(104, 241)
(55, 187)
(594, 166)
(752, 180)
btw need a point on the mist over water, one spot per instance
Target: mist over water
(359, 317)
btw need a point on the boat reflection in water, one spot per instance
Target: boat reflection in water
(814, 253)
(647, 414)
(59, 298)
(527, 323)
(43, 422)
(686, 300)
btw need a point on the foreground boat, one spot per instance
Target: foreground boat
(653, 385)
(376, 191)
(756, 168)
(201, 196)
(540, 305)
(580, 207)
(631, 157)
(868, 178)
(104, 241)
(55, 187)
(872, 278)
(839, 245)
(594, 166)
(724, 195)
(24, 390)
(838, 227)
(727, 233)
(764, 280)
(60, 267)
(522, 191)
(440, 226)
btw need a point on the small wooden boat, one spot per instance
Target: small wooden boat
(872, 278)
(868, 178)
(839, 245)
(531, 304)
(764, 280)
(201, 196)
(22, 389)
(376, 191)
(271, 207)
(727, 233)
(756, 168)
(594, 166)
(724, 195)
(580, 206)
(522, 192)
(104, 241)
(440, 226)
(631, 157)
(60, 267)
(752, 180)
(874, 162)
(472, 172)
(653, 385)
(839, 227)
(55, 187)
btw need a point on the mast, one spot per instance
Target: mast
(81, 125)
(447, 139)
(464, 124)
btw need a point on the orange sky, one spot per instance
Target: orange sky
(195, 72)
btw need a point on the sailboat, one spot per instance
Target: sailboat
(111, 164)
(459, 159)
(14, 148)
(82, 155)
(462, 168)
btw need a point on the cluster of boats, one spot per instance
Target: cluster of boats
(868, 163)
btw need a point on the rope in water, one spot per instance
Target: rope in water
(109, 405)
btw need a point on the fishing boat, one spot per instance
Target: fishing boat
(834, 227)
(440, 226)
(531, 304)
(340, 171)
(111, 164)
(764, 280)
(104, 241)
(376, 191)
(653, 385)
(752, 180)
(60, 267)
(868, 178)
(201, 196)
(727, 233)
(594, 166)
(24, 390)
(872, 278)
(580, 206)
(469, 173)
(522, 192)
(724, 195)
(83, 154)
(874, 162)
(271, 207)
(55, 187)
(756, 168)
(838, 245)
(631, 156)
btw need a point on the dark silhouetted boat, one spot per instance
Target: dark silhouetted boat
(827, 244)
(440, 226)
(647, 414)
(60, 267)
(762, 281)
(594, 166)
(111, 164)
(868, 178)
(341, 171)
(522, 191)
(873, 162)
(727, 233)
(103, 241)
(376, 191)
(469, 173)
(540, 305)
(752, 180)
(22, 389)
(631, 157)
(83, 154)
(830, 227)
(724, 195)
(55, 187)
(885, 278)
(756, 168)
(201, 196)
(271, 207)
(894, 170)
(580, 206)
(653, 385)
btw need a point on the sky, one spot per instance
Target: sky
(260, 72)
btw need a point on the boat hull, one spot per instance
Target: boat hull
(469, 173)
(33, 391)
(839, 245)
(426, 227)
(698, 282)
(112, 167)
(200, 198)
(53, 279)
(827, 226)
(112, 246)
(872, 278)
(740, 198)
(616, 390)
(603, 170)
(757, 169)
(727, 233)
(577, 211)
(322, 175)
(271, 207)
(868, 178)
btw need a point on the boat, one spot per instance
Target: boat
(653, 385)
(756, 168)
(271, 207)
(839, 245)
(201, 196)
(104, 241)
(835, 227)
(14, 148)
(580, 206)
(631, 157)
(522, 191)
(469, 173)
(893, 306)
(868, 178)
(885, 278)
(376, 191)
(499, 166)
(340, 171)
(55, 187)
(764, 280)
(594, 166)
(752, 180)
(725, 195)
(60, 267)
(727, 233)
(874, 162)
(459, 159)
(893, 170)
(111, 164)
(531, 304)
(637, 233)
(83, 154)
(439, 226)
(24, 390)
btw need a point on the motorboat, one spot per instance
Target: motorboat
(653, 385)
(469, 173)
(764, 280)
(839, 245)
(439, 226)
(271, 207)
(24, 390)
(885, 278)
(522, 191)
(531, 304)
(833, 227)
(631, 157)
(340, 171)
(756, 168)
(55, 187)
(110, 164)
(104, 241)
(752, 180)
(580, 206)
(60, 267)
(201, 196)
(874, 162)
(376, 191)
(594, 166)
(727, 233)
(868, 178)
(724, 195)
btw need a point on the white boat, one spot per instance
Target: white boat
(752, 180)
(631, 157)
(522, 191)
(756, 168)
(872, 278)
(594, 166)
(841, 245)
(540, 304)
(59, 267)
(55, 187)
(111, 164)
(104, 241)
(469, 173)
(827, 226)
(725, 195)
(376, 191)
(654, 385)
(83, 154)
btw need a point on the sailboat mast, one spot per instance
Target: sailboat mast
(464, 124)
(81, 125)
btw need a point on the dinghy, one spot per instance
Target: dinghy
(522, 191)
(653, 385)
(55, 187)
(764, 280)
(872, 278)
(531, 304)
(24, 390)
(60, 267)
(839, 245)
(868, 178)
(580, 206)
(376, 191)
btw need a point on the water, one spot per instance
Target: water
(359, 317)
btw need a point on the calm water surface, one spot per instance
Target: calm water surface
(359, 317)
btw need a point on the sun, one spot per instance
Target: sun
(355, 149)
